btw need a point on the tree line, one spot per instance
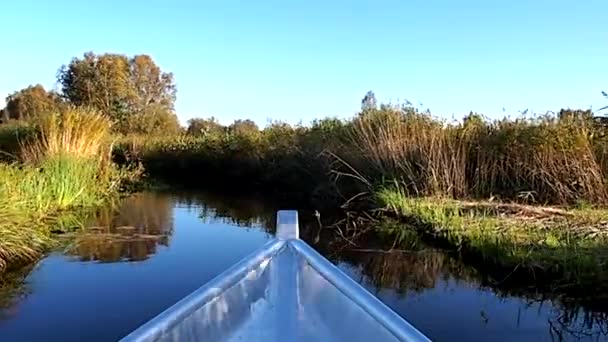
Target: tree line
(132, 91)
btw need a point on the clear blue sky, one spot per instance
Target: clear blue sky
(299, 60)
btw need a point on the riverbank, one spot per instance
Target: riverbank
(559, 248)
(208, 232)
(509, 193)
(537, 164)
(560, 159)
(60, 172)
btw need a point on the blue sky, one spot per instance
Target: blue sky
(300, 60)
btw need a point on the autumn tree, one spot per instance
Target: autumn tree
(154, 120)
(130, 91)
(30, 102)
(204, 126)
(244, 127)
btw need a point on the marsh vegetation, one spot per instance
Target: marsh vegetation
(519, 198)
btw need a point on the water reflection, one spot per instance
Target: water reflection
(13, 288)
(412, 273)
(243, 211)
(130, 230)
(182, 240)
(408, 271)
(133, 228)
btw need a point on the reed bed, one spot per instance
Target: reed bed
(541, 160)
(425, 170)
(63, 166)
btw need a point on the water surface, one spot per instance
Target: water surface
(154, 249)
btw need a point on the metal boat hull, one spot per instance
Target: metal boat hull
(285, 291)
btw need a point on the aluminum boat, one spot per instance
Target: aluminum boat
(285, 291)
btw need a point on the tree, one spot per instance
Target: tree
(369, 101)
(30, 102)
(243, 127)
(125, 89)
(204, 126)
(154, 120)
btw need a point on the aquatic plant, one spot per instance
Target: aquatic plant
(540, 160)
(65, 166)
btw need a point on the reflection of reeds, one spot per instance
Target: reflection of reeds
(115, 247)
(148, 213)
(128, 231)
(578, 324)
(408, 270)
(415, 271)
(12, 288)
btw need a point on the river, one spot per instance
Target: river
(152, 249)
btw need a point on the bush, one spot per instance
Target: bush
(545, 159)
(12, 135)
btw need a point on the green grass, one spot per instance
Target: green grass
(63, 168)
(564, 244)
(38, 198)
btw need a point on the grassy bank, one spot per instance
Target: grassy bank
(456, 181)
(507, 194)
(559, 159)
(62, 168)
(564, 248)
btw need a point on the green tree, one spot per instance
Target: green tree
(204, 126)
(30, 102)
(128, 90)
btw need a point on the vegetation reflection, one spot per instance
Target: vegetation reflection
(128, 231)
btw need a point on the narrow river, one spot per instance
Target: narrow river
(101, 285)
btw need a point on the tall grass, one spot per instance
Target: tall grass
(21, 218)
(400, 143)
(75, 132)
(542, 160)
(65, 166)
(548, 159)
